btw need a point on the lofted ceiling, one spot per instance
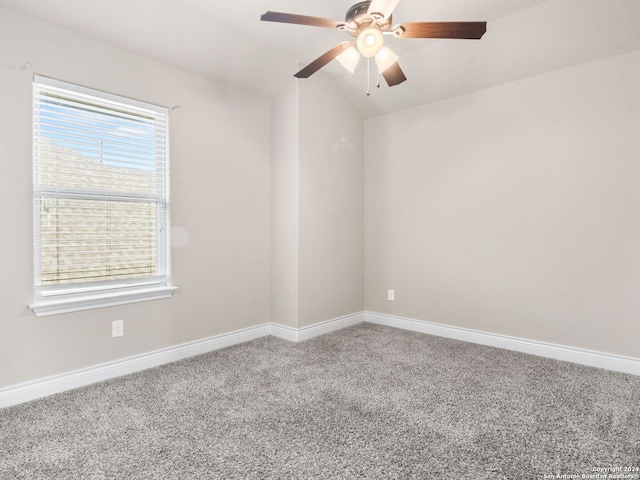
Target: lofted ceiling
(226, 42)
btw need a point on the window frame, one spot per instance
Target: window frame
(65, 298)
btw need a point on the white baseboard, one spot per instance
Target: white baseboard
(558, 352)
(43, 387)
(305, 333)
(25, 392)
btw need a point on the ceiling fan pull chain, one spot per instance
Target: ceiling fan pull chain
(368, 76)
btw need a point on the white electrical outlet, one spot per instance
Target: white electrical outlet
(117, 328)
(391, 295)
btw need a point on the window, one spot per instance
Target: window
(100, 191)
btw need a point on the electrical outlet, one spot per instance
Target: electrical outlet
(117, 328)
(391, 295)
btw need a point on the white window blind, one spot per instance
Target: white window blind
(100, 195)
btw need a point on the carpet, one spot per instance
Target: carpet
(364, 402)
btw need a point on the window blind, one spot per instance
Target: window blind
(100, 189)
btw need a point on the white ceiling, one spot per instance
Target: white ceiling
(226, 42)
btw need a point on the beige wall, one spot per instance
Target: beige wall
(220, 192)
(331, 204)
(513, 210)
(317, 194)
(285, 148)
(223, 154)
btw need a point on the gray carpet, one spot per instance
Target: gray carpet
(364, 402)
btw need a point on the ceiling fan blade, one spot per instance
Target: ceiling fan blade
(321, 61)
(394, 75)
(300, 20)
(384, 7)
(465, 30)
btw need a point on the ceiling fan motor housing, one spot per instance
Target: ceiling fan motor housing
(358, 18)
(357, 10)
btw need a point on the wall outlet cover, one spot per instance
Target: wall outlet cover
(117, 328)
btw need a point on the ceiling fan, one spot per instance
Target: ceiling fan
(368, 22)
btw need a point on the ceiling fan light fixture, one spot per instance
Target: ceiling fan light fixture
(369, 42)
(385, 58)
(349, 58)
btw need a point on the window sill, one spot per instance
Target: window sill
(76, 303)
